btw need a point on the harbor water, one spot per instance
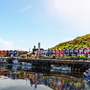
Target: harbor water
(18, 77)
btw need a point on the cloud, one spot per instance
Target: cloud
(70, 8)
(16, 45)
(75, 13)
(6, 44)
(25, 9)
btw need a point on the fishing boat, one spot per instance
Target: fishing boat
(61, 68)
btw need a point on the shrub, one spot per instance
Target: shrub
(57, 57)
(30, 55)
(43, 56)
(23, 56)
(47, 57)
(78, 56)
(86, 58)
(37, 57)
(82, 57)
(71, 57)
(4, 55)
(53, 56)
(68, 57)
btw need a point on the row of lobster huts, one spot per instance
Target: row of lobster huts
(64, 52)
(10, 53)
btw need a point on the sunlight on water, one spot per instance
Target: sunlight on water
(16, 77)
(9, 84)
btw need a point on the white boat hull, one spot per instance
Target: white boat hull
(61, 68)
(66, 68)
(3, 61)
(57, 68)
(16, 62)
(26, 64)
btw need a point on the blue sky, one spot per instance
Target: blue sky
(24, 23)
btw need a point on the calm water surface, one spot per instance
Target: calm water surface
(16, 77)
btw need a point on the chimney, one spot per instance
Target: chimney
(39, 46)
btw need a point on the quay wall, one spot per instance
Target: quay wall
(76, 65)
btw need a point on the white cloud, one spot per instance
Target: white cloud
(9, 45)
(70, 7)
(6, 44)
(76, 13)
(25, 9)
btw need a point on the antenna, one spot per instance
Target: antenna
(29, 49)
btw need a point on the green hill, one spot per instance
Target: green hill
(79, 42)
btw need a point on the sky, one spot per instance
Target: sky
(19, 84)
(25, 23)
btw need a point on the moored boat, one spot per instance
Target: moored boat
(61, 68)
(66, 68)
(56, 67)
(29, 64)
(16, 61)
(2, 61)
(26, 64)
(86, 77)
(87, 74)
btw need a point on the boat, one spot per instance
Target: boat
(29, 64)
(88, 72)
(16, 61)
(26, 64)
(61, 68)
(15, 67)
(2, 61)
(56, 67)
(26, 67)
(62, 71)
(87, 75)
(66, 68)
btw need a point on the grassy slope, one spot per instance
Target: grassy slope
(79, 42)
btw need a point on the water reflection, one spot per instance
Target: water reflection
(36, 78)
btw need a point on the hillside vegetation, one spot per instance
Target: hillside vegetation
(79, 42)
